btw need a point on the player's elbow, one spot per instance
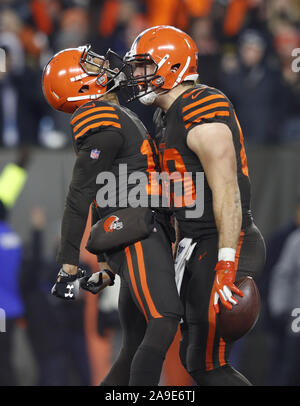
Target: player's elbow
(78, 202)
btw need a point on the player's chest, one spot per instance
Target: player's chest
(174, 154)
(172, 133)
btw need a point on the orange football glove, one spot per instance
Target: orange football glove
(223, 285)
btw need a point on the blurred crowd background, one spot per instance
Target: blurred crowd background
(248, 49)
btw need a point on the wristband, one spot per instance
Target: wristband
(226, 254)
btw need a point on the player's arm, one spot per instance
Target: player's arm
(82, 191)
(105, 276)
(213, 144)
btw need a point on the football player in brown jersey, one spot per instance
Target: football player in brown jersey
(107, 137)
(198, 132)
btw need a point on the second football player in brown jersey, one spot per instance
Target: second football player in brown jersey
(108, 139)
(198, 133)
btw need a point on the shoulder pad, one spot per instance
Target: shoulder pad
(94, 115)
(203, 103)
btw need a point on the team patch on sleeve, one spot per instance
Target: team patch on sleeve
(93, 116)
(199, 107)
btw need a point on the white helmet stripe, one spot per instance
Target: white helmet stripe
(87, 97)
(178, 80)
(78, 77)
(164, 59)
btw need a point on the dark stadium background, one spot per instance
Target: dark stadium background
(248, 49)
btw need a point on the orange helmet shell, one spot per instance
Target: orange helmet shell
(64, 80)
(169, 48)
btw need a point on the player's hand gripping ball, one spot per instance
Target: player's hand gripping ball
(224, 286)
(240, 320)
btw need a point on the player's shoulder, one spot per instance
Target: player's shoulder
(200, 94)
(94, 106)
(95, 115)
(203, 103)
(126, 112)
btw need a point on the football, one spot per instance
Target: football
(235, 323)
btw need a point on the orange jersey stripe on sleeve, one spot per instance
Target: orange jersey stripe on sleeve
(94, 117)
(90, 111)
(204, 100)
(186, 95)
(205, 108)
(95, 125)
(210, 115)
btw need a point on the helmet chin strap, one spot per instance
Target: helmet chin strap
(148, 98)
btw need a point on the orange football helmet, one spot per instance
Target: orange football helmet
(74, 76)
(172, 51)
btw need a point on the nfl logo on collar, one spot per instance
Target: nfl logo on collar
(95, 153)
